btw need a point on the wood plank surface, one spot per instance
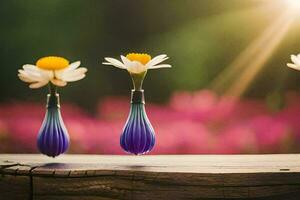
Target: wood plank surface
(151, 176)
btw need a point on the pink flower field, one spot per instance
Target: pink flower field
(190, 123)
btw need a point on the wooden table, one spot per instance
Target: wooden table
(88, 177)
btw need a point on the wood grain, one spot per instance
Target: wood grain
(150, 177)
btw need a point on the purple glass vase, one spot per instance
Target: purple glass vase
(53, 138)
(138, 135)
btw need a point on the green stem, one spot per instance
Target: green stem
(137, 80)
(53, 97)
(52, 89)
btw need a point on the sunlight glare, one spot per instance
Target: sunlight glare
(242, 72)
(293, 3)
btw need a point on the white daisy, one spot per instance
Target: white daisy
(296, 62)
(136, 63)
(56, 70)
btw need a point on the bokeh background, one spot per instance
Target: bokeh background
(229, 90)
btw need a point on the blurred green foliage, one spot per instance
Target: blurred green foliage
(201, 37)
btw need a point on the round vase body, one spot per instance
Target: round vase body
(138, 135)
(53, 138)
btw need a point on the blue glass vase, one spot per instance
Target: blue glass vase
(138, 135)
(53, 138)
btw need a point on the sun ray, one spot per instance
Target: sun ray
(241, 73)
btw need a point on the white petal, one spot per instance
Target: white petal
(114, 62)
(59, 83)
(136, 67)
(28, 67)
(47, 74)
(25, 78)
(293, 66)
(75, 78)
(160, 66)
(73, 65)
(32, 69)
(126, 61)
(37, 72)
(156, 60)
(23, 72)
(72, 75)
(59, 73)
(36, 76)
(295, 60)
(38, 84)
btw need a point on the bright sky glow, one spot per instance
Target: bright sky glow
(293, 3)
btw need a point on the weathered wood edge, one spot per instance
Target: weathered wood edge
(214, 166)
(196, 179)
(47, 183)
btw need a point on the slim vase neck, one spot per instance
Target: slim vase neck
(53, 97)
(137, 97)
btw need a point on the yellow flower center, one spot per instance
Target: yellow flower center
(140, 57)
(52, 63)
